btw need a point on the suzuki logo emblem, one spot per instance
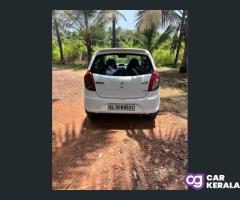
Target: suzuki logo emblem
(121, 84)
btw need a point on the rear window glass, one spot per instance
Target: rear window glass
(121, 65)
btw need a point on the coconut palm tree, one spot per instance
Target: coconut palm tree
(112, 16)
(184, 30)
(180, 37)
(86, 22)
(146, 19)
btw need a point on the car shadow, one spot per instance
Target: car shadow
(123, 121)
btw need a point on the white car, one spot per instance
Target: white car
(122, 81)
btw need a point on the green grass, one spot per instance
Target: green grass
(72, 51)
(163, 57)
(73, 66)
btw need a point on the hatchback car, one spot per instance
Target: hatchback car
(122, 81)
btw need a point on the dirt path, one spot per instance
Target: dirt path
(117, 152)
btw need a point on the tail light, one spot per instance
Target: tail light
(89, 81)
(154, 81)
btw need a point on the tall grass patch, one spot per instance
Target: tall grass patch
(163, 57)
(73, 50)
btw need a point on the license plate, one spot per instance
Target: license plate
(123, 107)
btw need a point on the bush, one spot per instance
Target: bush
(72, 50)
(163, 57)
(55, 53)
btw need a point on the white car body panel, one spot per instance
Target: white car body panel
(122, 89)
(146, 105)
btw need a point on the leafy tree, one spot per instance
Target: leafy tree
(126, 38)
(101, 37)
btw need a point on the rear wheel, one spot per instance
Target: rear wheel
(152, 116)
(91, 115)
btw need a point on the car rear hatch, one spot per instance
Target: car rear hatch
(122, 75)
(121, 87)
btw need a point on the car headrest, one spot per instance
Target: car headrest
(133, 63)
(111, 62)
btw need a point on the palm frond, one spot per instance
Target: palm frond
(146, 19)
(175, 40)
(165, 35)
(159, 18)
(170, 17)
(120, 14)
(109, 15)
(76, 19)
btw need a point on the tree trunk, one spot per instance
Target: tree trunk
(180, 38)
(89, 48)
(183, 67)
(184, 64)
(113, 33)
(89, 53)
(62, 60)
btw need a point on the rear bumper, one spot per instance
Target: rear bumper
(146, 105)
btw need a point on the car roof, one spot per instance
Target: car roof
(123, 50)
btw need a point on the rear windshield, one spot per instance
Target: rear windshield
(121, 65)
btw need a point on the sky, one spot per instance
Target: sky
(130, 16)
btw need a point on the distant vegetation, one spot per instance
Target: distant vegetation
(76, 34)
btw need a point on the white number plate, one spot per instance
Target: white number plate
(124, 107)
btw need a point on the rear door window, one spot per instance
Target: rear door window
(122, 65)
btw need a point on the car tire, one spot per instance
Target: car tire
(90, 115)
(153, 116)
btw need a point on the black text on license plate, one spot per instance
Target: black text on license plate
(126, 107)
